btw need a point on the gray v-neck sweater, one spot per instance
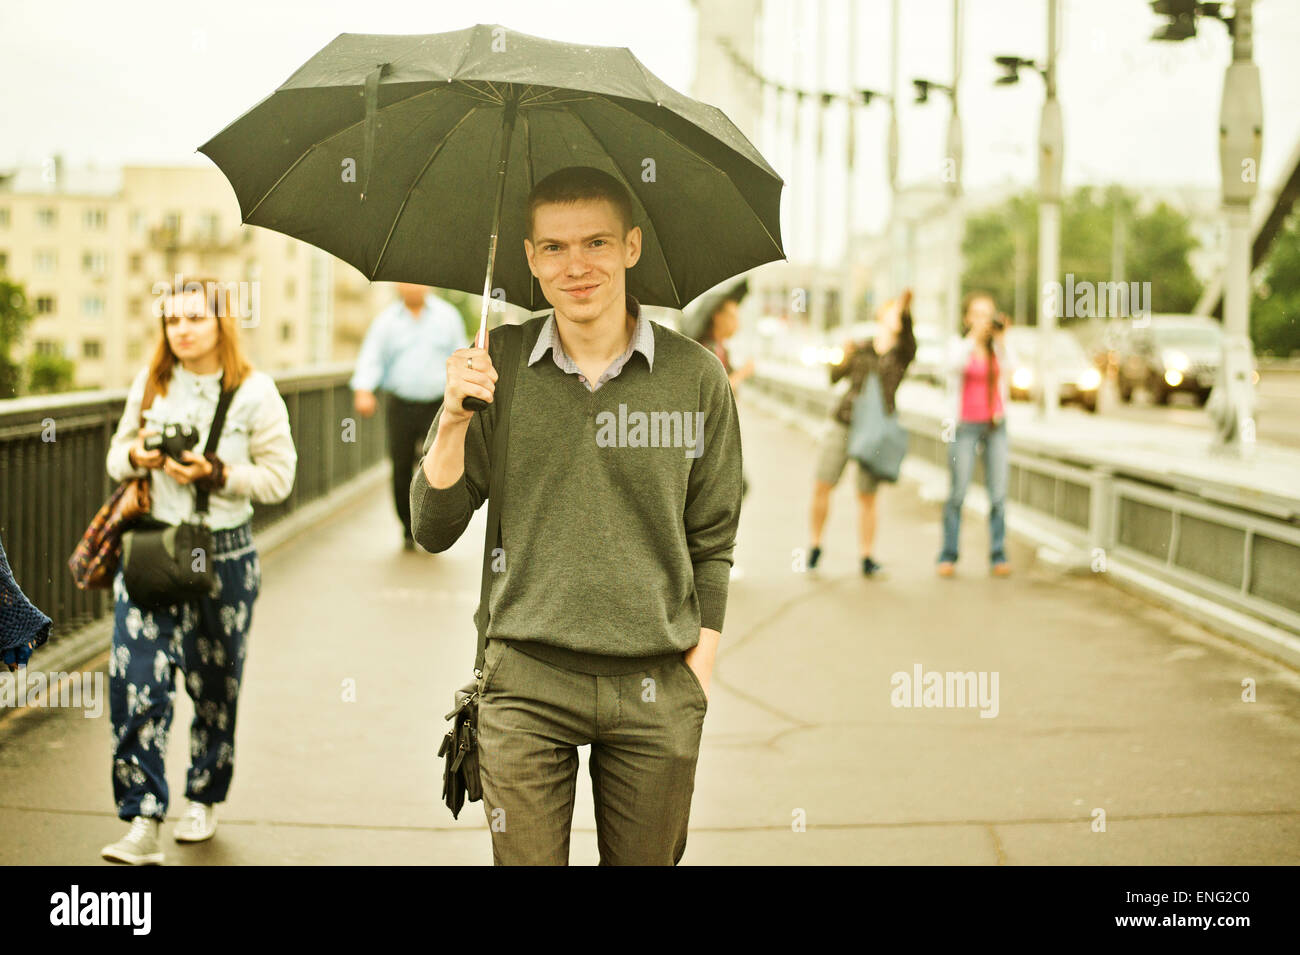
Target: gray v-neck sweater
(621, 504)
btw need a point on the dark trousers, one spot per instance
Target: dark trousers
(408, 426)
(644, 730)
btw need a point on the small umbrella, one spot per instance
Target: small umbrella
(397, 153)
(698, 322)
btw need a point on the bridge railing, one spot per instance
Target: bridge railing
(1234, 546)
(53, 477)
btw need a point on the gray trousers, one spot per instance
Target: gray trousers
(644, 731)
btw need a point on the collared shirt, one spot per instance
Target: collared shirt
(406, 355)
(643, 340)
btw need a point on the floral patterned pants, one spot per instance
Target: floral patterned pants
(206, 640)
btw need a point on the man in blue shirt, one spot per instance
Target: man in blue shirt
(405, 354)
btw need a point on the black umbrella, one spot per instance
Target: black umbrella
(702, 314)
(407, 156)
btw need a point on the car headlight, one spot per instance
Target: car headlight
(1090, 380)
(1173, 378)
(1175, 360)
(808, 356)
(835, 356)
(1022, 378)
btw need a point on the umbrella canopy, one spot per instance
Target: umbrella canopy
(385, 151)
(700, 316)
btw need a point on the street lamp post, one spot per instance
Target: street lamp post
(1051, 161)
(1241, 131)
(951, 177)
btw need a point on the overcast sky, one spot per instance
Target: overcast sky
(147, 81)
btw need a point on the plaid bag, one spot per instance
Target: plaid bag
(94, 562)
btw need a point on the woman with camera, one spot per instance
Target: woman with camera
(978, 367)
(198, 356)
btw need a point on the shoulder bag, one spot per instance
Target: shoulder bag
(459, 749)
(877, 440)
(94, 562)
(165, 564)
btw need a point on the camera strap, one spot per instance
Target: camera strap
(214, 435)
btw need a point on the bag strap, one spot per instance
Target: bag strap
(512, 356)
(214, 435)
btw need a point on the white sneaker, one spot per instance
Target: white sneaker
(198, 823)
(139, 846)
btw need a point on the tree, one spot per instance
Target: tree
(1156, 247)
(47, 374)
(15, 315)
(1275, 312)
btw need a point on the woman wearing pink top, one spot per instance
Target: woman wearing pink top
(978, 397)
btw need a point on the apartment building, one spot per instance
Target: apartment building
(90, 244)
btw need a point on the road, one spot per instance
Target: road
(1108, 710)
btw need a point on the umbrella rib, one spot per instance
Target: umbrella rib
(532, 181)
(776, 245)
(667, 269)
(411, 188)
(334, 135)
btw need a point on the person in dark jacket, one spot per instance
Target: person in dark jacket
(888, 354)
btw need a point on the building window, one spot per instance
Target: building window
(46, 217)
(96, 263)
(96, 219)
(286, 331)
(133, 349)
(4, 218)
(137, 221)
(209, 225)
(4, 261)
(92, 306)
(137, 262)
(290, 288)
(45, 305)
(291, 248)
(172, 223)
(44, 347)
(47, 261)
(91, 348)
(137, 307)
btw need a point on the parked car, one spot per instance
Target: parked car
(1077, 378)
(1169, 353)
(928, 365)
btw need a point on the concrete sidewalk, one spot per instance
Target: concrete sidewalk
(1104, 703)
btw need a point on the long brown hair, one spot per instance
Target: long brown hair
(235, 367)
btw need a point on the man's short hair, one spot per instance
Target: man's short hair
(579, 184)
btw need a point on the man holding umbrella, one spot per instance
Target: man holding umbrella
(606, 613)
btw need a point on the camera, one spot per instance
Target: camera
(174, 440)
(999, 322)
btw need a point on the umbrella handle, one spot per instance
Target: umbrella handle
(471, 403)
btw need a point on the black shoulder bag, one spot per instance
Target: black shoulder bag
(164, 564)
(459, 749)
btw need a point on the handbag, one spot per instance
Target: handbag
(459, 749)
(95, 560)
(877, 440)
(164, 564)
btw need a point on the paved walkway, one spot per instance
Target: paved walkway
(1104, 703)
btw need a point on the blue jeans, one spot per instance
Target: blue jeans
(961, 463)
